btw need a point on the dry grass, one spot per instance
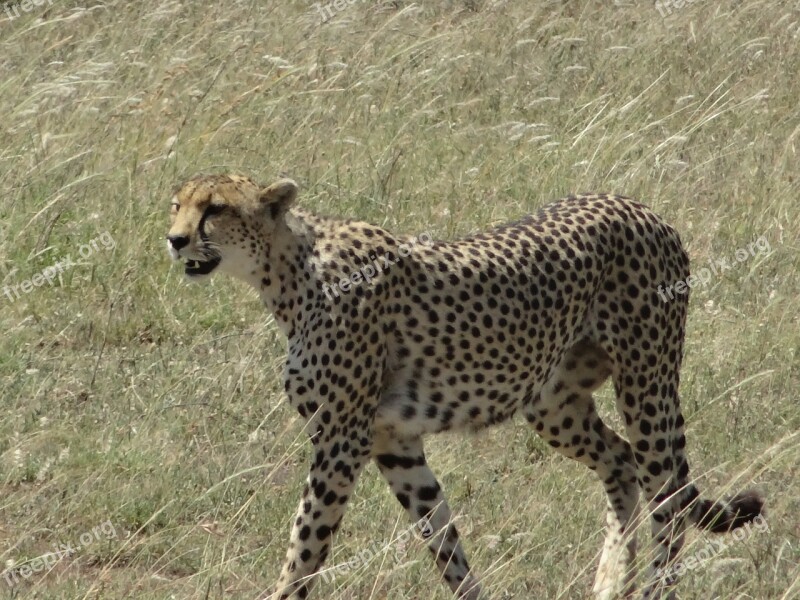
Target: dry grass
(128, 396)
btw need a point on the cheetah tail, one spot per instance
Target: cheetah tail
(727, 515)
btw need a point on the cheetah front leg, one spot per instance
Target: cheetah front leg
(402, 463)
(339, 406)
(334, 471)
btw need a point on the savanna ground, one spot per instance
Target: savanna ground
(134, 401)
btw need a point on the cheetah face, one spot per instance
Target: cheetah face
(194, 236)
(221, 222)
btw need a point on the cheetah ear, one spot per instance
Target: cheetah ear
(279, 196)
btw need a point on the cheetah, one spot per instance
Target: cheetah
(530, 317)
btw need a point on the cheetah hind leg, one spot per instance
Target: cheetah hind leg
(401, 461)
(565, 416)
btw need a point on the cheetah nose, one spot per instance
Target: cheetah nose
(178, 241)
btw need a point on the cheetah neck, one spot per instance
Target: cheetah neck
(284, 276)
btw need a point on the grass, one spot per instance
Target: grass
(131, 398)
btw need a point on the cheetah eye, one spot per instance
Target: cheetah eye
(214, 209)
(175, 207)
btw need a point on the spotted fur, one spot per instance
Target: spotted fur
(530, 318)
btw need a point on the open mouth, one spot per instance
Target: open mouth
(194, 268)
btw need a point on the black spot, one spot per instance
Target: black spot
(390, 461)
(428, 493)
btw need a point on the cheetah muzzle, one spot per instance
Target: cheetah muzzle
(193, 268)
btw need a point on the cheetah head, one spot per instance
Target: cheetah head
(224, 222)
